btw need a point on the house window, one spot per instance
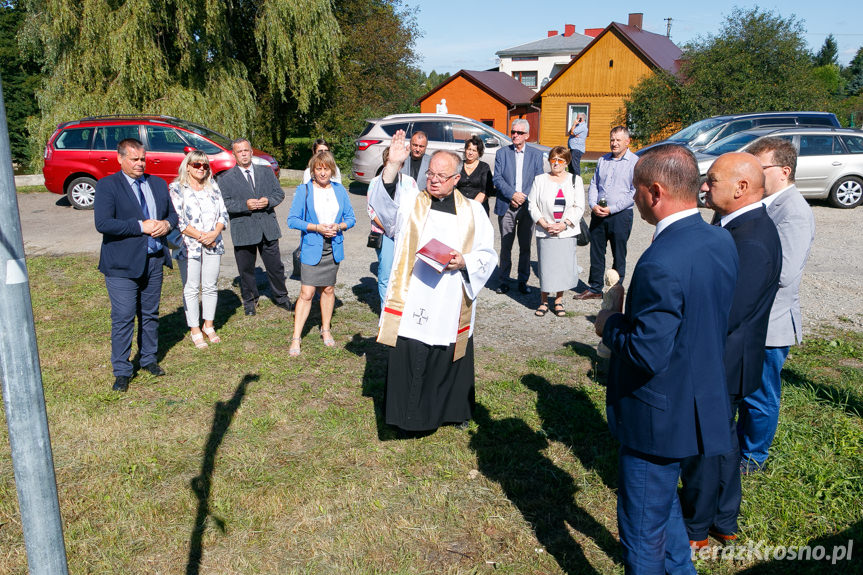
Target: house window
(572, 111)
(526, 78)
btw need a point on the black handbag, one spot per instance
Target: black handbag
(583, 237)
(376, 240)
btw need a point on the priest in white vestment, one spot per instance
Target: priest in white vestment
(428, 316)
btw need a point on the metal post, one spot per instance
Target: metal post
(23, 396)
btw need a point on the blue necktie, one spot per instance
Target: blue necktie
(153, 245)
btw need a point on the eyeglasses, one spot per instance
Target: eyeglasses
(557, 161)
(439, 177)
(517, 133)
(772, 166)
(199, 165)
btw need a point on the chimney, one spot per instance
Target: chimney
(593, 32)
(636, 19)
(552, 33)
(569, 30)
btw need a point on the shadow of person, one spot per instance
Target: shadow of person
(374, 379)
(223, 414)
(509, 452)
(173, 327)
(598, 371)
(568, 415)
(366, 291)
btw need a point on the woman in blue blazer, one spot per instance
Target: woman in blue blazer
(322, 211)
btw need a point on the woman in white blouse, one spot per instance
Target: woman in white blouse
(321, 210)
(202, 217)
(556, 205)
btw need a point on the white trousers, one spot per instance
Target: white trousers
(200, 275)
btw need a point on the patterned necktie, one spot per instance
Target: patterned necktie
(153, 245)
(249, 177)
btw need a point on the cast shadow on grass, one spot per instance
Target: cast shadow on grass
(837, 556)
(173, 328)
(598, 371)
(366, 291)
(510, 453)
(843, 399)
(223, 414)
(374, 378)
(569, 416)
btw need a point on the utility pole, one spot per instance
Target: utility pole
(23, 396)
(667, 27)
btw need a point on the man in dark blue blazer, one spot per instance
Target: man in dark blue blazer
(666, 397)
(711, 491)
(515, 167)
(133, 212)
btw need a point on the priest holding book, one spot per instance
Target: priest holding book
(429, 312)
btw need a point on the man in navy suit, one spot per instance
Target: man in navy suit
(133, 212)
(666, 398)
(515, 168)
(711, 492)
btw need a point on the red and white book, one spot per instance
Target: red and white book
(436, 254)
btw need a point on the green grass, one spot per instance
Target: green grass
(30, 189)
(243, 460)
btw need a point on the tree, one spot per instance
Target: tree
(757, 62)
(202, 60)
(20, 80)
(828, 54)
(854, 74)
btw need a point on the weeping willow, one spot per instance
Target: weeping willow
(208, 61)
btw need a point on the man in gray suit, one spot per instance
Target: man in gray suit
(759, 411)
(418, 161)
(251, 194)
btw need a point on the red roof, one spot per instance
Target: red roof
(498, 84)
(657, 49)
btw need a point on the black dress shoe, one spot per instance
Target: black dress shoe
(502, 288)
(284, 304)
(250, 311)
(523, 287)
(154, 369)
(121, 383)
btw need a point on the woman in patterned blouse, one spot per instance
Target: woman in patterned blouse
(202, 217)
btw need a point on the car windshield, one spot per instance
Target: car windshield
(732, 143)
(223, 141)
(691, 132)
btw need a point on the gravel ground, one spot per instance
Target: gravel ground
(831, 292)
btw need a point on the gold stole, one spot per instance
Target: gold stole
(400, 279)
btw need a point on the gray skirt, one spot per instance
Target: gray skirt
(324, 272)
(558, 268)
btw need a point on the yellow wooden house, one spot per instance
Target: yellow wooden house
(597, 81)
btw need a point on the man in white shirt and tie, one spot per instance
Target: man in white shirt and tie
(251, 194)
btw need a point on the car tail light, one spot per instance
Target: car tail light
(363, 145)
(47, 154)
(360, 174)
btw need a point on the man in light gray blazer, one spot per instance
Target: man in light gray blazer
(251, 194)
(418, 161)
(759, 412)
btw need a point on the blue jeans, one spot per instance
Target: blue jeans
(651, 525)
(759, 411)
(385, 262)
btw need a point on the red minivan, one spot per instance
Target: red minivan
(81, 152)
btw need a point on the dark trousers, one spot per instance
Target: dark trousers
(515, 223)
(272, 258)
(711, 492)
(648, 515)
(131, 298)
(615, 230)
(576, 161)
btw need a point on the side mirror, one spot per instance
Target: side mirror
(491, 142)
(188, 149)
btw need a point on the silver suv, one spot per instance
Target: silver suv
(444, 131)
(829, 161)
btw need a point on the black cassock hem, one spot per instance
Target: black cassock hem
(425, 388)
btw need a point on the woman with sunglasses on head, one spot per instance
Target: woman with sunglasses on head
(556, 205)
(475, 182)
(202, 217)
(321, 210)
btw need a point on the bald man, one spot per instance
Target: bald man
(710, 498)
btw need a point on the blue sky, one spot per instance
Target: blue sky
(465, 34)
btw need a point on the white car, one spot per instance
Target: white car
(444, 131)
(829, 160)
